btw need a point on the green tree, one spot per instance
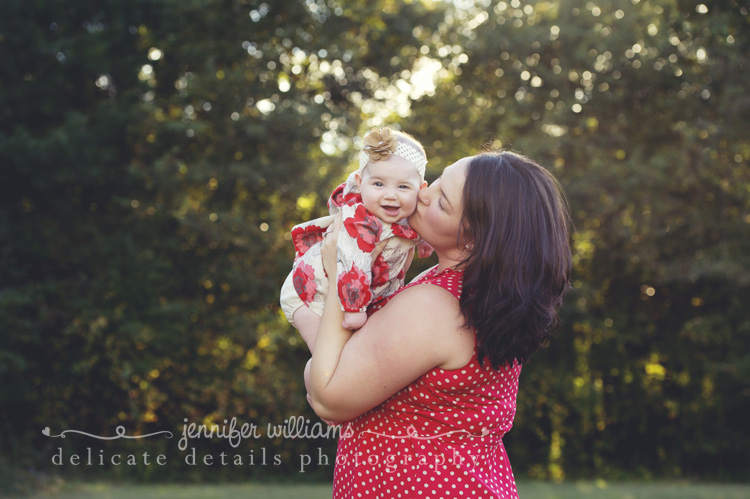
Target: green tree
(155, 156)
(640, 108)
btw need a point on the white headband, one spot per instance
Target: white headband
(409, 153)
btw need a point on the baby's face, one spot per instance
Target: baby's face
(389, 188)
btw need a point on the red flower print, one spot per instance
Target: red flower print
(305, 237)
(365, 228)
(304, 282)
(404, 231)
(337, 198)
(401, 274)
(380, 272)
(352, 198)
(354, 290)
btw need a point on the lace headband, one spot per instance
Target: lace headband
(383, 149)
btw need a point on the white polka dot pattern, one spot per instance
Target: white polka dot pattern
(439, 437)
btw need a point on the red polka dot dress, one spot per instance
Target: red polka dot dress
(440, 437)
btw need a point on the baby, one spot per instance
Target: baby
(374, 203)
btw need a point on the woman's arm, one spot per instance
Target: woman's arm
(419, 329)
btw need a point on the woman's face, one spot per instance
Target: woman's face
(440, 208)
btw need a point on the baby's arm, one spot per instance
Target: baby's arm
(307, 323)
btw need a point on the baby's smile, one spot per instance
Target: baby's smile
(391, 210)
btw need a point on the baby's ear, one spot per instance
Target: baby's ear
(423, 186)
(358, 179)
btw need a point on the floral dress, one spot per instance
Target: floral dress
(360, 281)
(439, 437)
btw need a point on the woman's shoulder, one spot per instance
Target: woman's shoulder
(431, 294)
(430, 317)
(432, 299)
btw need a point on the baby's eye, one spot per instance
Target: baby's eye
(404, 186)
(378, 184)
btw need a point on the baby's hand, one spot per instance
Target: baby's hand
(354, 320)
(424, 250)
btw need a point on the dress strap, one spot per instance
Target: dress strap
(449, 279)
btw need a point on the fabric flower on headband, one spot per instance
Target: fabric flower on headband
(379, 144)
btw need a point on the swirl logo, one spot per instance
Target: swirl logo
(120, 433)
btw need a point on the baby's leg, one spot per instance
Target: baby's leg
(354, 320)
(306, 377)
(307, 323)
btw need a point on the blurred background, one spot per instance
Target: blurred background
(155, 154)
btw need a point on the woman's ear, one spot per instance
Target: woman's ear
(466, 238)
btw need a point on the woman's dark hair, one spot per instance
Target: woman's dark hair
(516, 215)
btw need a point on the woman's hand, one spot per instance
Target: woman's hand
(328, 249)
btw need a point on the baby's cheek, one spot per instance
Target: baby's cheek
(412, 203)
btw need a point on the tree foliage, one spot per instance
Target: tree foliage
(639, 108)
(155, 154)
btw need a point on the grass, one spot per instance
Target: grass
(227, 491)
(527, 490)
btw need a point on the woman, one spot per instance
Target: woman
(432, 377)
